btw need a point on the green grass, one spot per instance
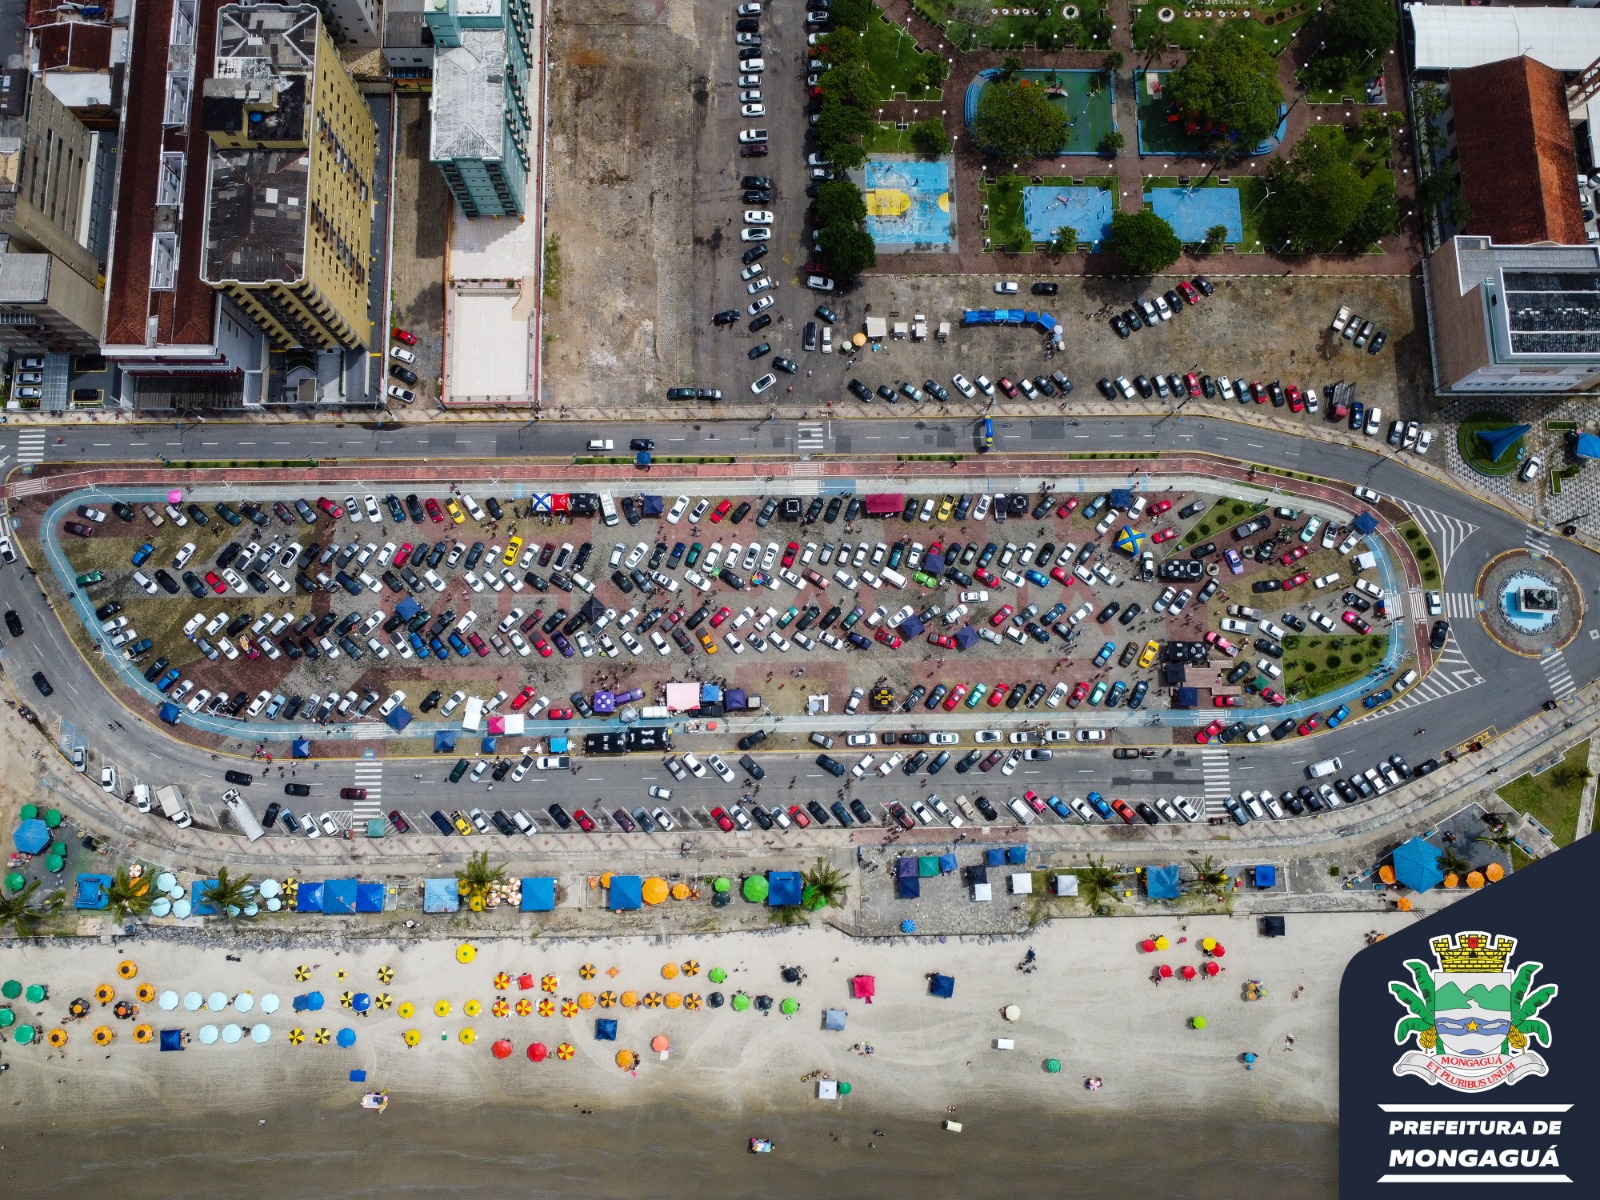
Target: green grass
(895, 59)
(886, 138)
(1316, 665)
(1252, 194)
(1353, 85)
(1189, 31)
(1472, 450)
(1552, 798)
(1422, 549)
(1049, 32)
(1006, 226)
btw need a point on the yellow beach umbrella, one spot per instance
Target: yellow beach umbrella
(674, 1000)
(547, 1007)
(692, 967)
(568, 1008)
(127, 968)
(1494, 872)
(345, 998)
(146, 993)
(383, 999)
(586, 1000)
(652, 1000)
(321, 1037)
(296, 1036)
(407, 1010)
(105, 993)
(1475, 880)
(58, 1037)
(412, 1037)
(500, 1008)
(442, 1009)
(468, 1036)
(466, 952)
(654, 890)
(630, 999)
(669, 971)
(103, 1035)
(608, 999)
(565, 1051)
(586, 971)
(550, 983)
(501, 981)
(1208, 944)
(680, 891)
(1162, 943)
(302, 973)
(143, 1033)
(472, 1008)
(386, 974)
(524, 1007)
(692, 1000)
(626, 1059)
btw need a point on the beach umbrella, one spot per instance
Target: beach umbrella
(36, 993)
(1053, 1065)
(193, 1001)
(1494, 872)
(630, 999)
(217, 1001)
(715, 1000)
(660, 1043)
(1249, 1056)
(755, 888)
(500, 1008)
(844, 1087)
(259, 1033)
(411, 1037)
(361, 1002)
(15, 881)
(654, 890)
(1475, 880)
(525, 980)
(569, 1008)
(160, 907)
(145, 992)
(58, 1037)
(25, 1034)
(717, 975)
(722, 884)
(127, 968)
(11, 989)
(442, 1008)
(302, 973)
(168, 1001)
(466, 952)
(586, 971)
(790, 1006)
(501, 981)
(1403, 904)
(208, 1034)
(764, 1003)
(314, 1001)
(613, 972)
(908, 926)
(269, 1003)
(1162, 943)
(383, 1000)
(347, 1037)
(669, 970)
(340, 973)
(296, 1036)
(123, 1009)
(1212, 969)
(231, 1033)
(626, 1059)
(80, 1007)
(538, 1052)
(244, 1002)
(585, 1000)
(104, 1035)
(1386, 873)
(550, 983)
(680, 891)
(472, 1008)
(607, 999)
(692, 967)
(565, 1051)
(385, 974)
(181, 909)
(1208, 944)
(741, 1002)
(1188, 971)
(1148, 946)
(1197, 1022)
(501, 1049)
(1164, 971)
(692, 1000)
(524, 1007)
(144, 1034)
(105, 993)
(345, 998)
(8, 1018)
(321, 1036)
(1451, 879)
(547, 1007)
(1012, 1013)
(1219, 950)
(652, 1000)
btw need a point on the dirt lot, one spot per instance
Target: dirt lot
(420, 207)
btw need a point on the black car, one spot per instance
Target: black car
(968, 761)
(860, 391)
(43, 684)
(861, 812)
(14, 622)
(1046, 289)
(981, 803)
(1437, 639)
(841, 813)
(818, 813)
(1147, 813)
(1120, 328)
(756, 196)
(755, 181)
(914, 763)
(242, 778)
(758, 350)
(754, 253)
(167, 582)
(441, 823)
(1203, 284)
(196, 588)
(404, 374)
(831, 765)
(431, 700)
(559, 816)
(1107, 388)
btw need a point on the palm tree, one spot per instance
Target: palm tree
(1209, 877)
(132, 897)
(824, 886)
(229, 894)
(476, 878)
(1452, 863)
(789, 914)
(1098, 882)
(16, 911)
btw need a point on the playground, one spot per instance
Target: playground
(1193, 212)
(909, 204)
(1086, 209)
(1163, 130)
(1090, 101)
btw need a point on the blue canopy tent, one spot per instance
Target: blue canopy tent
(1416, 866)
(966, 637)
(833, 1018)
(440, 896)
(783, 889)
(652, 505)
(91, 892)
(339, 896)
(1266, 876)
(912, 626)
(626, 893)
(1016, 855)
(172, 1039)
(399, 719)
(31, 837)
(908, 887)
(905, 867)
(934, 564)
(1161, 883)
(488, 745)
(1186, 697)
(538, 894)
(1130, 541)
(736, 700)
(309, 897)
(444, 742)
(1497, 441)
(1586, 445)
(605, 1029)
(1365, 524)
(369, 897)
(200, 898)
(947, 863)
(994, 856)
(1121, 498)
(407, 608)
(169, 713)
(942, 985)
(300, 748)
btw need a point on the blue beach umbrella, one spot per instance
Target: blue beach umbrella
(346, 1038)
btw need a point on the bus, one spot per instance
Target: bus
(988, 435)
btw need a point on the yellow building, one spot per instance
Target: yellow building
(289, 186)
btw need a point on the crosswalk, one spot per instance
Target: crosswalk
(1460, 606)
(1538, 542)
(1556, 671)
(1451, 673)
(30, 446)
(810, 437)
(368, 775)
(1218, 780)
(1447, 533)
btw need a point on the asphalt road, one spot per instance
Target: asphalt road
(1507, 689)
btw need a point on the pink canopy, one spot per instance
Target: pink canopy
(864, 987)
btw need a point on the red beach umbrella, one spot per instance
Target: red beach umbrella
(1212, 968)
(502, 1049)
(1219, 950)
(1166, 971)
(537, 1052)
(1148, 946)
(525, 981)
(1188, 971)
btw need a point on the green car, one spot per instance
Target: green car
(90, 577)
(694, 555)
(1099, 693)
(979, 691)
(461, 769)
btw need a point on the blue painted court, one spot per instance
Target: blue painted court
(909, 203)
(1086, 209)
(1193, 211)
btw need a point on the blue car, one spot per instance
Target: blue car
(440, 650)
(1098, 803)
(1105, 654)
(419, 645)
(1118, 690)
(458, 644)
(1378, 698)
(838, 809)
(1139, 689)
(142, 554)
(167, 680)
(1037, 579)
(1059, 807)
(1337, 716)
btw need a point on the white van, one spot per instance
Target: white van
(1326, 766)
(608, 508)
(891, 576)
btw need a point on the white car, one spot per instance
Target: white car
(1367, 494)
(755, 233)
(943, 739)
(757, 216)
(1006, 288)
(752, 110)
(1435, 604)
(861, 768)
(766, 381)
(679, 507)
(696, 767)
(861, 739)
(759, 304)
(395, 699)
(962, 386)
(456, 700)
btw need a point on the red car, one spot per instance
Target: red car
(721, 511)
(328, 506)
(942, 640)
(1165, 534)
(1191, 381)
(1188, 292)
(1295, 581)
(401, 335)
(217, 585)
(1069, 506)
(1224, 701)
(401, 554)
(987, 577)
(1209, 732)
(1258, 391)
(1352, 619)
(1078, 693)
(1297, 402)
(1120, 807)
(543, 647)
(955, 697)
(721, 615)
(352, 793)
(559, 714)
(584, 820)
(1000, 616)
(1033, 801)
(889, 639)
(434, 511)
(997, 695)
(723, 820)
(798, 816)
(790, 552)
(526, 694)
(1271, 697)
(901, 816)
(1293, 556)
(989, 763)
(1159, 507)
(1059, 574)
(1009, 388)
(1310, 724)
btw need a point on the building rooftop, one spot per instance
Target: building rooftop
(256, 219)
(1543, 301)
(82, 44)
(1450, 38)
(24, 278)
(1518, 167)
(469, 101)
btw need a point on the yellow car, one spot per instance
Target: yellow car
(946, 507)
(454, 509)
(1151, 649)
(463, 826)
(709, 642)
(513, 549)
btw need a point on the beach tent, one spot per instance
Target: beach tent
(1121, 498)
(1065, 885)
(626, 893)
(605, 1029)
(652, 505)
(947, 863)
(1161, 883)
(736, 700)
(942, 985)
(1016, 855)
(300, 748)
(1272, 927)
(928, 865)
(172, 1039)
(864, 987)
(369, 897)
(827, 1089)
(444, 742)
(908, 887)
(31, 837)
(904, 867)
(966, 637)
(538, 894)
(407, 608)
(1497, 441)
(912, 626)
(783, 888)
(994, 856)
(604, 703)
(309, 897)
(1130, 541)
(169, 713)
(91, 892)
(339, 896)
(399, 719)
(833, 1018)
(1364, 524)
(1021, 883)
(1416, 866)
(683, 697)
(1266, 876)
(1186, 697)
(487, 746)
(1586, 445)
(440, 896)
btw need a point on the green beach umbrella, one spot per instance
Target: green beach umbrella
(844, 1087)
(722, 884)
(1197, 1022)
(790, 1005)
(1053, 1065)
(717, 975)
(7, 1018)
(52, 817)
(30, 812)
(36, 993)
(15, 881)
(740, 1002)
(755, 888)
(24, 1034)
(11, 989)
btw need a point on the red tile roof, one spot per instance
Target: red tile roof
(187, 314)
(75, 44)
(1518, 169)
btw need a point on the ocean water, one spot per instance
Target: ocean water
(421, 1150)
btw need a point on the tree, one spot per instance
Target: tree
(1209, 877)
(933, 72)
(476, 878)
(24, 917)
(1229, 81)
(840, 202)
(1111, 144)
(928, 138)
(1452, 863)
(129, 896)
(1379, 219)
(852, 83)
(1354, 32)
(852, 14)
(1066, 241)
(1216, 239)
(1017, 122)
(1144, 242)
(840, 129)
(823, 886)
(848, 250)
(230, 893)
(1010, 65)
(1112, 62)
(839, 51)
(1098, 883)
(1316, 199)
